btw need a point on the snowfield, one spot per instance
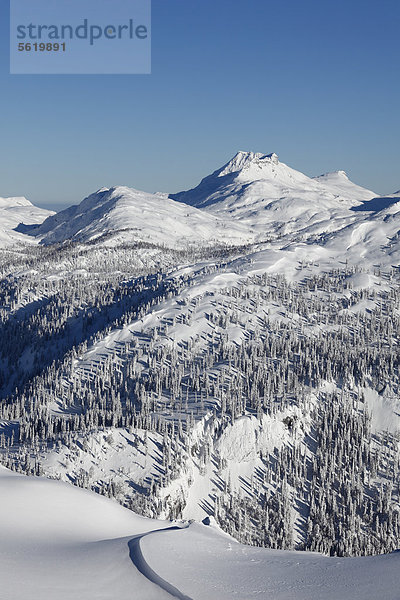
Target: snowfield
(61, 542)
(209, 566)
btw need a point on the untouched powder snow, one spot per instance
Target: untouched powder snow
(61, 542)
(58, 541)
(208, 565)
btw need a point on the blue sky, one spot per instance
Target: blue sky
(316, 82)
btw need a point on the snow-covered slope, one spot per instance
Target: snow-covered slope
(129, 215)
(14, 211)
(208, 566)
(374, 238)
(265, 193)
(344, 189)
(61, 542)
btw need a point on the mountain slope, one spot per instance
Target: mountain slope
(245, 368)
(130, 215)
(374, 238)
(13, 212)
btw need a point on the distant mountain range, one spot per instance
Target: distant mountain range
(252, 198)
(130, 215)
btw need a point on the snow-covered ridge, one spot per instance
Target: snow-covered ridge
(133, 216)
(254, 197)
(14, 201)
(13, 212)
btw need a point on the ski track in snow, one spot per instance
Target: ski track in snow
(136, 556)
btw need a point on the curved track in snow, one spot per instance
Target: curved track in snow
(136, 556)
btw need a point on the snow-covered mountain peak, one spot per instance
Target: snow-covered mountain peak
(343, 188)
(246, 160)
(332, 176)
(14, 201)
(338, 175)
(273, 157)
(262, 176)
(275, 199)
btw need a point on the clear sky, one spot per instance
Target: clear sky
(317, 82)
